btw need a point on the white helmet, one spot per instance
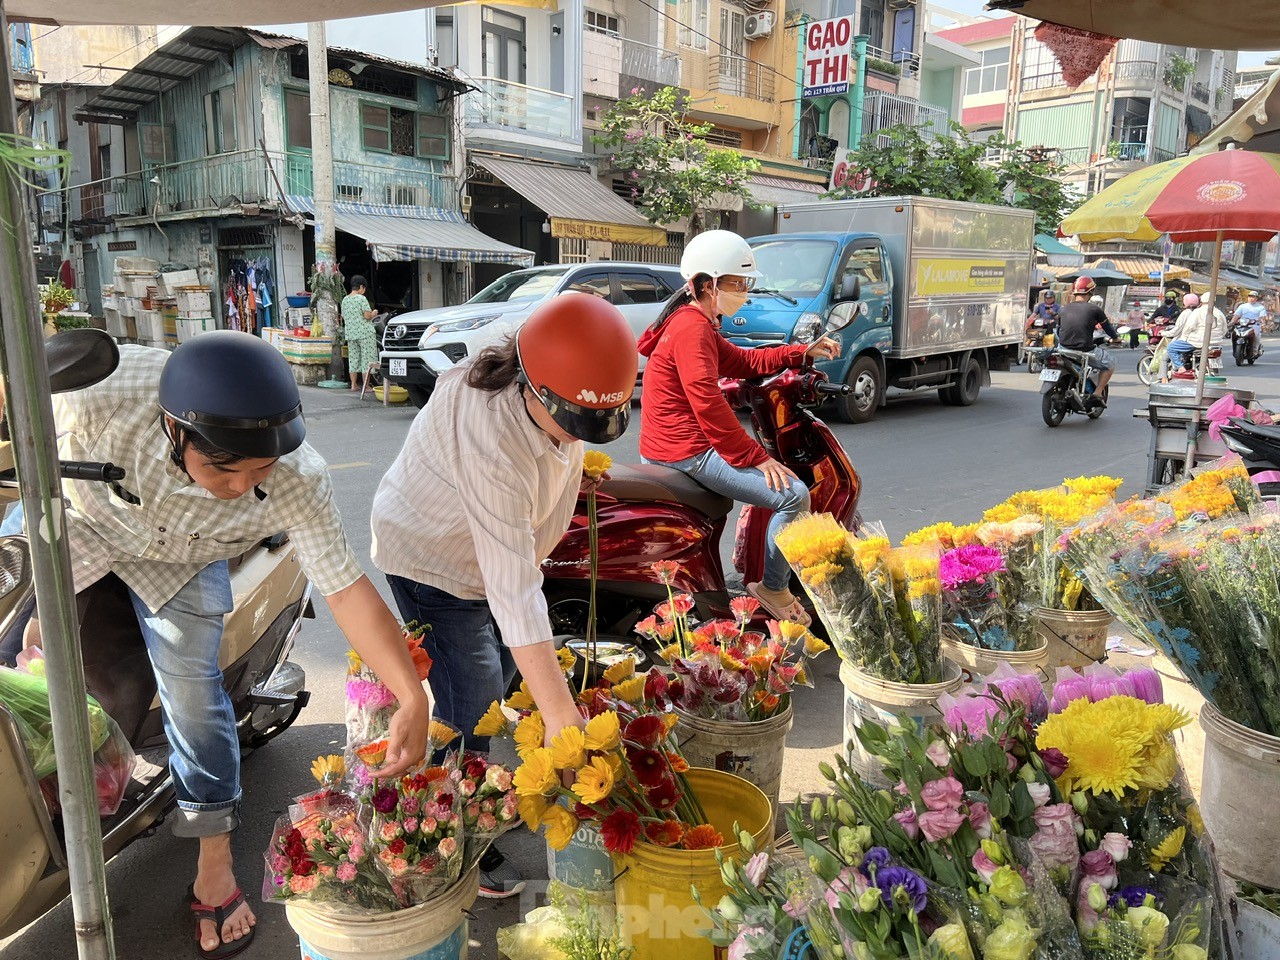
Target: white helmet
(718, 253)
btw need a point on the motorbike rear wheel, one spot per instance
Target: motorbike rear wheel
(1145, 373)
(1052, 408)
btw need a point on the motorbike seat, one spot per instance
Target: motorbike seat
(1261, 430)
(652, 483)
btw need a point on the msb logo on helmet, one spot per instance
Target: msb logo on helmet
(590, 396)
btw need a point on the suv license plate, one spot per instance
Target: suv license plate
(400, 368)
(1048, 374)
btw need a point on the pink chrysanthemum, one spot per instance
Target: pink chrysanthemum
(971, 564)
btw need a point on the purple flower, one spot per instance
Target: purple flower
(1055, 762)
(971, 564)
(385, 800)
(1021, 688)
(907, 820)
(1131, 896)
(756, 867)
(1070, 686)
(1146, 684)
(900, 885)
(877, 857)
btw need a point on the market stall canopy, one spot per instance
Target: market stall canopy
(225, 13)
(1102, 276)
(1057, 253)
(1140, 268)
(575, 201)
(1221, 25)
(774, 191)
(1255, 126)
(418, 233)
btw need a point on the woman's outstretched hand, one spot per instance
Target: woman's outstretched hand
(823, 349)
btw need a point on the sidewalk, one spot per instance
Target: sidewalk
(320, 401)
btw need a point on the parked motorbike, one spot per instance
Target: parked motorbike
(1067, 386)
(1246, 344)
(1259, 447)
(272, 596)
(648, 513)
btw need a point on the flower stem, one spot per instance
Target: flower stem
(593, 540)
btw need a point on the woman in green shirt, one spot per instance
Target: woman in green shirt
(362, 339)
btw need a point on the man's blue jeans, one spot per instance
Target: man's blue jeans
(183, 640)
(748, 485)
(1179, 350)
(470, 667)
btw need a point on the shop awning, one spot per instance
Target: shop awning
(1057, 253)
(418, 233)
(1140, 268)
(774, 191)
(575, 201)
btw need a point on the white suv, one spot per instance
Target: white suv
(418, 347)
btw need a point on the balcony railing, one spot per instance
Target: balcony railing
(614, 65)
(501, 104)
(1129, 151)
(1137, 70)
(1200, 91)
(1043, 81)
(740, 77)
(423, 186)
(884, 110)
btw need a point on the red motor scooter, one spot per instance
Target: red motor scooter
(648, 513)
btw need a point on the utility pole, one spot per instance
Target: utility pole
(322, 185)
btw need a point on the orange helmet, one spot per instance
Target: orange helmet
(1083, 286)
(579, 356)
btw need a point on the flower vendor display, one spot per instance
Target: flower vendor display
(370, 705)
(881, 607)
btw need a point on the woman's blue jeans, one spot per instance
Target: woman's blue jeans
(748, 485)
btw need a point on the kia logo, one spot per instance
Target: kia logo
(400, 331)
(739, 321)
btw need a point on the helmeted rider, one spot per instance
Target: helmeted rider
(211, 437)
(1045, 314)
(1168, 310)
(686, 421)
(1187, 334)
(1076, 324)
(1250, 316)
(480, 495)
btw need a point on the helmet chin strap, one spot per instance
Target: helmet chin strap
(177, 444)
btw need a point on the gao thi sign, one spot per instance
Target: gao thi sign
(828, 55)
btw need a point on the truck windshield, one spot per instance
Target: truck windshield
(521, 285)
(794, 266)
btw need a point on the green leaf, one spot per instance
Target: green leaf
(1000, 804)
(1024, 807)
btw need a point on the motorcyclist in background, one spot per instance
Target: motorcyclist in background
(1187, 334)
(1250, 316)
(1076, 323)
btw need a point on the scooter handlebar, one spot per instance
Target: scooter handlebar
(835, 389)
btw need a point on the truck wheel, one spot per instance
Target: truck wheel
(418, 396)
(864, 381)
(964, 391)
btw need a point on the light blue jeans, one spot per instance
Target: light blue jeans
(183, 640)
(748, 485)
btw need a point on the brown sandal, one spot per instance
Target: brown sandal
(795, 612)
(218, 916)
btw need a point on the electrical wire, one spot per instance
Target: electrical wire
(150, 38)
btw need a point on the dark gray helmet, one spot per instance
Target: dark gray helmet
(237, 392)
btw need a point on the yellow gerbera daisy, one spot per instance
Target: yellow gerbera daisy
(329, 769)
(595, 781)
(531, 808)
(561, 826)
(603, 732)
(619, 671)
(630, 691)
(568, 749)
(596, 463)
(522, 699)
(568, 659)
(537, 775)
(441, 734)
(531, 732)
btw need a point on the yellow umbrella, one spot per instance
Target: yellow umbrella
(1120, 211)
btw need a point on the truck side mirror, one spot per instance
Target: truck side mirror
(851, 288)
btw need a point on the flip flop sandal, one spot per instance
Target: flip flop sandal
(218, 916)
(795, 613)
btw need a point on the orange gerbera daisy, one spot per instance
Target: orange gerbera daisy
(373, 754)
(664, 834)
(704, 837)
(678, 763)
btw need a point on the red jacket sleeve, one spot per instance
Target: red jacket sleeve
(698, 364)
(746, 363)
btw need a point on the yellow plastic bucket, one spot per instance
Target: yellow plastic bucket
(398, 393)
(658, 916)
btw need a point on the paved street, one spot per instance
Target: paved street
(920, 462)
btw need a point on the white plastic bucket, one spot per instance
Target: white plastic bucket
(981, 661)
(868, 698)
(1076, 638)
(1240, 781)
(752, 751)
(435, 930)
(584, 864)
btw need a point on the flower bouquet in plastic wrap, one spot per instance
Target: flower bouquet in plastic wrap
(370, 705)
(416, 835)
(881, 607)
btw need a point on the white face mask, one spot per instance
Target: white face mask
(730, 302)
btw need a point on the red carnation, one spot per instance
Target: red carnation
(475, 768)
(396, 847)
(649, 766)
(647, 731)
(655, 685)
(619, 831)
(303, 866)
(664, 796)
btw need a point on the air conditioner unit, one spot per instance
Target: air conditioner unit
(759, 25)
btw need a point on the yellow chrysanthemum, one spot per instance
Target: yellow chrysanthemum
(629, 691)
(1160, 768)
(924, 587)
(568, 659)
(1167, 849)
(569, 749)
(354, 663)
(596, 463)
(626, 667)
(814, 645)
(561, 826)
(966, 535)
(329, 769)
(531, 808)
(536, 775)
(813, 539)
(522, 699)
(871, 551)
(1195, 821)
(935, 535)
(1002, 513)
(1094, 486)
(494, 723)
(441, 734)
(531, 732)
(595, 781)
(819, 574)
(603, 732)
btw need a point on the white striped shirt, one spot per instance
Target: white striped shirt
(478, 497)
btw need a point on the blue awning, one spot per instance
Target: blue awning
(418, 233)
(1057, 253)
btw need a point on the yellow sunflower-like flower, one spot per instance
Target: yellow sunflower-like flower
(629, 691)
(530, 734)
(522, 699)
(494, 723)
(603, 732)
(441, 734)
(626, 667)
(354, 663)
(568, 749)
(329, 769)
(568, 659)
(814, 645)
(729, 662)
(813, 539)
(531, 808)
(1167, 849)
(561, 826)
(595, 781)
(670, 652)
(537, 775)
(596, 463)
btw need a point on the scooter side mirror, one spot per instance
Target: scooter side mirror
(841, 316)
(80, 358)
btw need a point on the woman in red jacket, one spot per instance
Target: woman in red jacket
(686, 422)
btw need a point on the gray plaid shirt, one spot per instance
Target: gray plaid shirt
(156, 529)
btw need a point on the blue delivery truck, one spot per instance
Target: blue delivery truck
(937, 290)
